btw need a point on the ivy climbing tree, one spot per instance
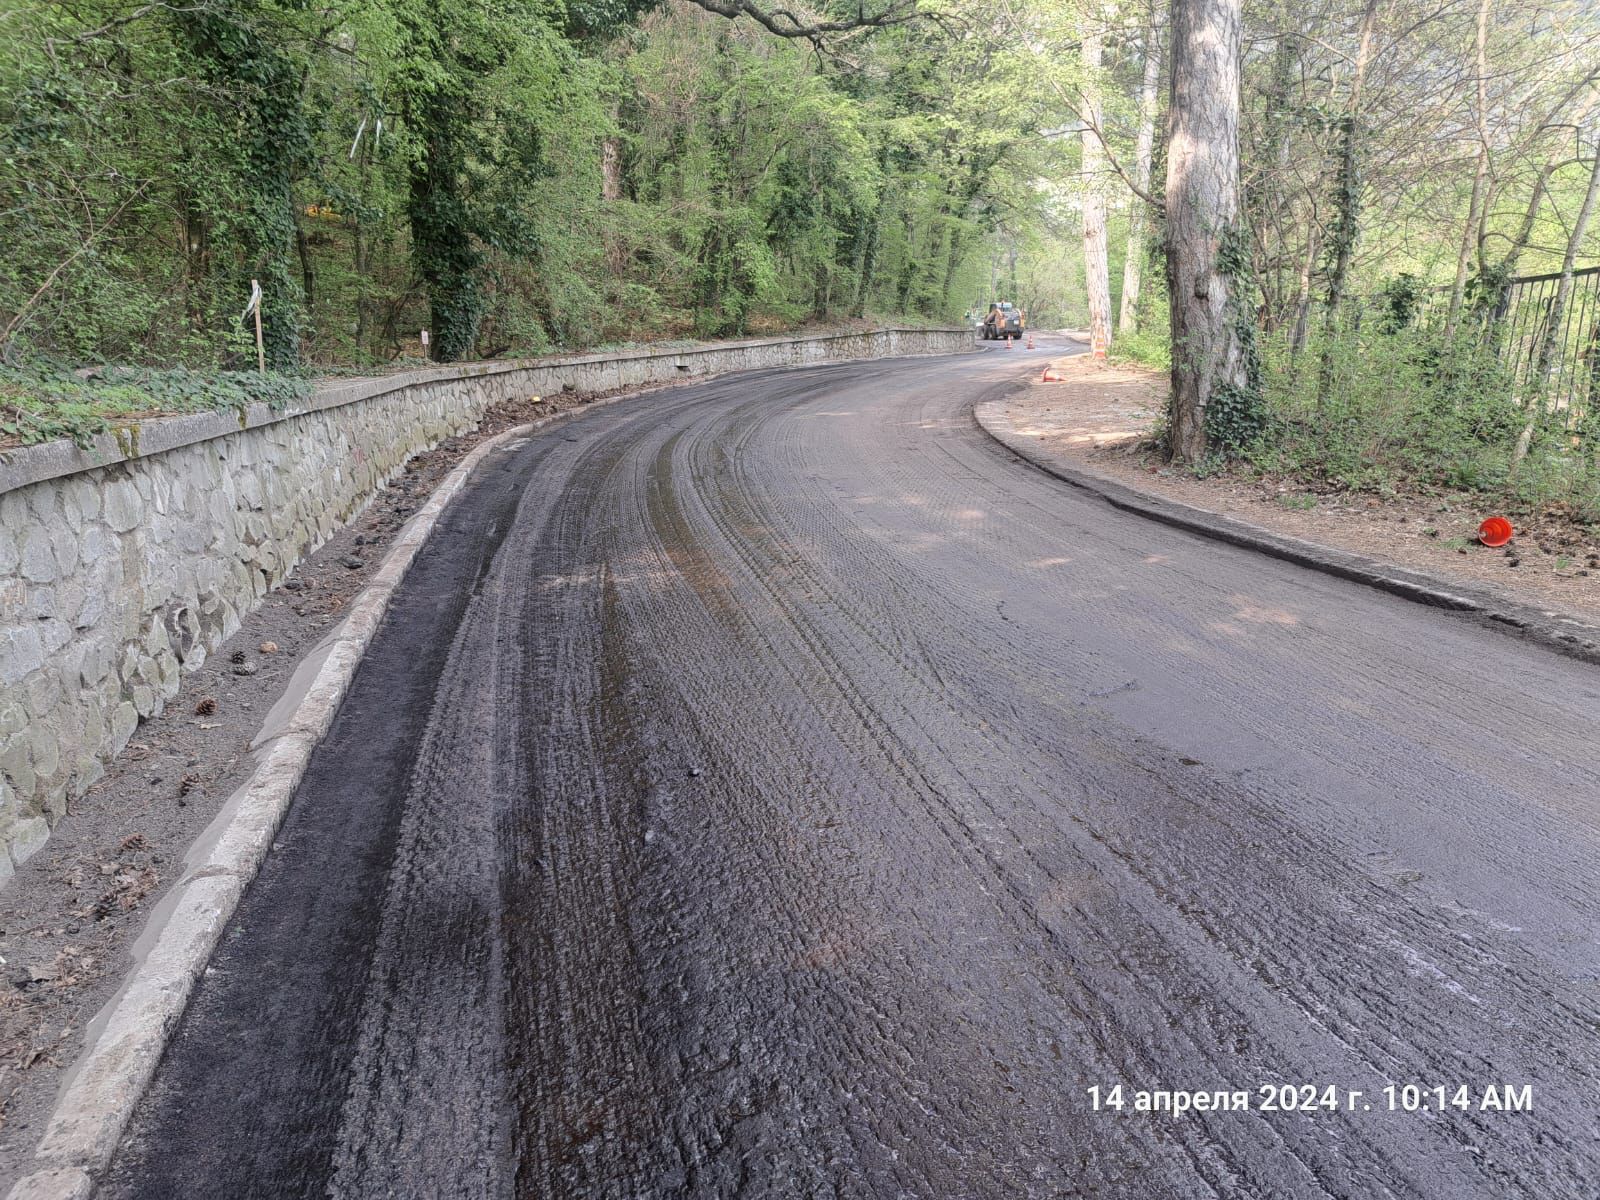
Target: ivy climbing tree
(256, 83)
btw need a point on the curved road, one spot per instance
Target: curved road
(774, 789)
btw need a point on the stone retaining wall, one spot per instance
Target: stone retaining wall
(125, 565)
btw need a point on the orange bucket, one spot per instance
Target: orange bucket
(1495, 531)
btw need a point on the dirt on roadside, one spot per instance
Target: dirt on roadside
(1101, 416)
(69, 919)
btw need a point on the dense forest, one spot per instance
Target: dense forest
(1347, 191)
(508, 175)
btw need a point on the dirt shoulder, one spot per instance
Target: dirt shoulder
(69, 919)
(1099, 418)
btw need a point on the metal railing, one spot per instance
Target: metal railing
(1547, 344)
(1551, 353)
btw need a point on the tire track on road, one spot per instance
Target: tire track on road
(812, 801)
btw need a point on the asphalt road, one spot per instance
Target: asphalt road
(774, 789)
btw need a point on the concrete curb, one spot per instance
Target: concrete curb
(1557, 631)
(99, 1099)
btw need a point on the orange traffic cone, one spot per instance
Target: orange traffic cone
(1495, 532)
(1030, 341)
(1051, 375)
(1010, 342)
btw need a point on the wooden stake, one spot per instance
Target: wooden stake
(261, 353)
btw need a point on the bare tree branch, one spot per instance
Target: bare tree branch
(94, 236)
(786, 23)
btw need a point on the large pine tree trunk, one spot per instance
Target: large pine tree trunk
(1128, 317)
(1096, 265)
(1202, 214)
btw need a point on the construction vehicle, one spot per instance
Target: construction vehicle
(1003, 320)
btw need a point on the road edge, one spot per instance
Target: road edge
(1566, 634)
(111, 1076)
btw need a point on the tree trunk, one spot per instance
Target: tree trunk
(859, 265)
(907, 277)
(1569, 262)
(1346, 204)
(308, 270)
(869, 255)
(442, 249)
(611, 168)
(1264, 198)
(610, 193)
(1573, 117)
(1458, 289)
(247, 66)
(869, 266)
(1558, 310)
(195, 235)
(1518, 242)
(1202, 203)
(1128, 318)
(958, 243)
(1302, 297)
(1347, 221)
(1096, 267)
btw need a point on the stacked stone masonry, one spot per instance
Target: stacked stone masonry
(123, 566)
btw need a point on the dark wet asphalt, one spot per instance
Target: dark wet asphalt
(772, 789)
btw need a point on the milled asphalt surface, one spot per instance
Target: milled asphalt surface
(775, 789)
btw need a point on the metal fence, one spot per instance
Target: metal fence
(1551, 350)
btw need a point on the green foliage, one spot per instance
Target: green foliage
(1149, 347)
(1236, 414)
(478, 87)
(265, 139)
(1235, 417)
(511, 175)
(602, 18)
(1150, 344)
(1405, 410)
(1401, 299)
(39, 403)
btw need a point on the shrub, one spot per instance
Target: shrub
(1387, 404)
(1148, 346)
